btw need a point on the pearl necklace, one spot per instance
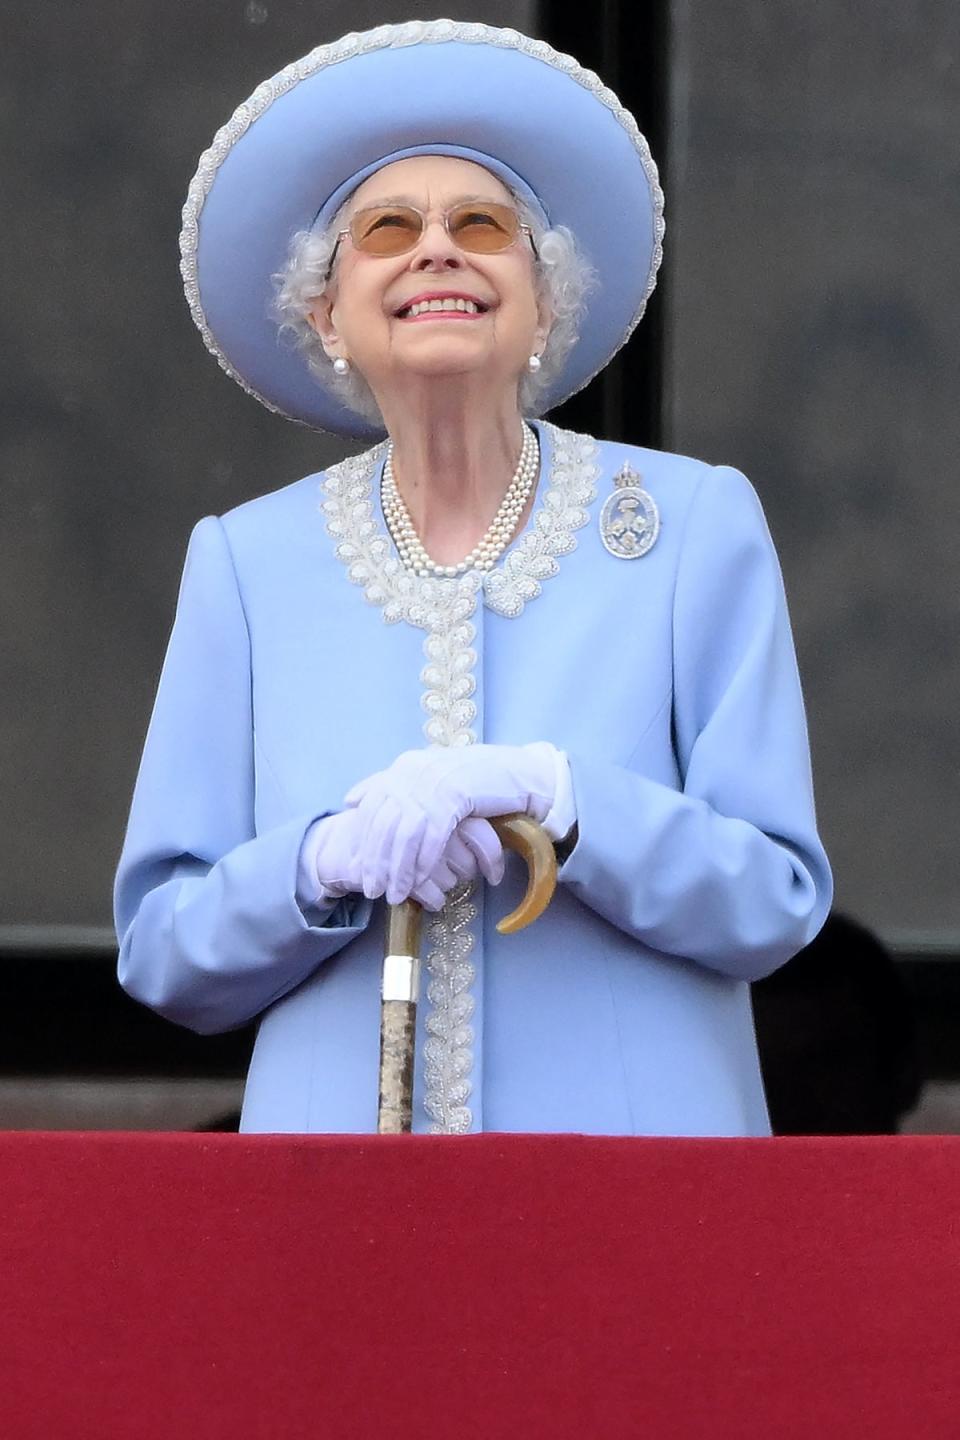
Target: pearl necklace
(495, 540)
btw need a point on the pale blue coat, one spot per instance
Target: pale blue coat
(670, 682)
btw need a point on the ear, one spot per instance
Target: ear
(320, 318)
(544, 324)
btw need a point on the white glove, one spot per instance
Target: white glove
(409, 811)
(334, 850)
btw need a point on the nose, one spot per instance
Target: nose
(436, 250)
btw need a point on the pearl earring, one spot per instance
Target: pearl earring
(533, 364)
(341, 366)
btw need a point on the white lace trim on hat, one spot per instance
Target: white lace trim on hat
(444, 608)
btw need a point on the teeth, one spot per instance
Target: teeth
(469, 307)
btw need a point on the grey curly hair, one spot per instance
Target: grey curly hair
(563, 279)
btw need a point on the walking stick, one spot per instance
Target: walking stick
(401, 967)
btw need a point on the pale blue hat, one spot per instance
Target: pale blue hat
(306, 138)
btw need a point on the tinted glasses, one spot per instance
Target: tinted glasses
(478, 227)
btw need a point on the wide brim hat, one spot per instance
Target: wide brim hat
(293, 152)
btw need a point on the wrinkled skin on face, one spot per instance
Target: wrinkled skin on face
(363, 317)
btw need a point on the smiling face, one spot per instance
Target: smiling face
(437, 310)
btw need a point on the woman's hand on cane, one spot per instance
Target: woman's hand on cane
(410, 811)
(338, 858)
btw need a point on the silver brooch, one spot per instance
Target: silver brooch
(629, 520)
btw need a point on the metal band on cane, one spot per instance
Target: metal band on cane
(401, 978)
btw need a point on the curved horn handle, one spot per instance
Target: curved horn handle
(532, 843)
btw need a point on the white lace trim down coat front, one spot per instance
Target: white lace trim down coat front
(443, 608)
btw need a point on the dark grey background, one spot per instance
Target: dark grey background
(813, 338)
(117, 429)
(810, 336)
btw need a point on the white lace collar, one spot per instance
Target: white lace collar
(355, 522)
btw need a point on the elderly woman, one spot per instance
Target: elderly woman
(482, 614)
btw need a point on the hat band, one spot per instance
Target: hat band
(459, 152)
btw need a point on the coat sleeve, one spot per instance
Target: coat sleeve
(727, 871)
(206, 912)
